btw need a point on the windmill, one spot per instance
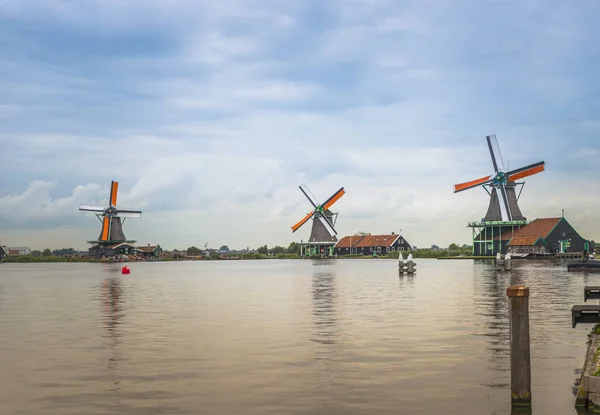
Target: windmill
(110, 217)
(503, 198)
(503, 216)
(323, 219)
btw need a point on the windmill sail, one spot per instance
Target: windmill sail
(503, 201)
(323, 229)
(111, 217)
(495, 153)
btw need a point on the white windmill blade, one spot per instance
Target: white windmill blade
(91, 208)
(327, 225)
(129, 213)
(495, 153)
(503, 202)
(309, 195)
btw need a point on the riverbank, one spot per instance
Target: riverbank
(588, 388)
(416, 254)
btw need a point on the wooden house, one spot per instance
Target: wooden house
(547, 236)
(371, 244)
(18, 250)
(150, 251)
(110, 251)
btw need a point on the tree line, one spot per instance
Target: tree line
(293, 248)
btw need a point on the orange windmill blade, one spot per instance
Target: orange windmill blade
(503, 203)
(320, 212)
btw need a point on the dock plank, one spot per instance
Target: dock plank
(591, 292)
(585, 314)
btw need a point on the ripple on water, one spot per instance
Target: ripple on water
(272, 337)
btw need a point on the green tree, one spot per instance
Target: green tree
(224, 248)
(192, 250)
(293, 248)
(277, 250)
(36, 253)
(263, 250)
(47, 252)
(63, 252)
(453, 247)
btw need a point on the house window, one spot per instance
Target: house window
(393, 248)
(378, 249)
(387, 249)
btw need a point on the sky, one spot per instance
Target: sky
(210, 114)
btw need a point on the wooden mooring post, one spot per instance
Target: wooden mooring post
(408, 267)
(520, 356)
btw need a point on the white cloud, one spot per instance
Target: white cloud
(211, 129)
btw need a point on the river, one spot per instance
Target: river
(281, 337)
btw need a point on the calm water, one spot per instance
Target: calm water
(281, 337)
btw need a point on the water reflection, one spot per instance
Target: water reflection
(324, 298)
(112, 291)
(492, 305)
(408, 279)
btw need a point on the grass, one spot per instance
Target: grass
(36, 259)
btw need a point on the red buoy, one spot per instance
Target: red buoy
(125, 270)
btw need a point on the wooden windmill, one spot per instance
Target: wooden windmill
(323, 219)
(503, 198)
(110, 217)
(492, 234)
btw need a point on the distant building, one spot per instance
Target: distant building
(111, 251)
(18, 250)
(2, 253)
(547, 236)
(150, 251)
(370, 244)
(176, 253)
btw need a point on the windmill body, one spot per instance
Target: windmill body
(503, 217)
(111, 241)
(323, 235)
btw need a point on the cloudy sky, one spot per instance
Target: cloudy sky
(211, 113)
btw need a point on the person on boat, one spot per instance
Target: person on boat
(586, 256)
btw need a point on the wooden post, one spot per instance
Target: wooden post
(520, 357)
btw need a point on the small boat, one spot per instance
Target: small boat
(584, 265)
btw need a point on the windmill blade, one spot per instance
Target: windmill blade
(129, 213)
(327, 224)
(473, 183)
(504, 206)
(302, 221)
(114, 189)
(309, 195)
(105, 229)
(526, 171)
(495, 153)
(334, 198)
(90, 208)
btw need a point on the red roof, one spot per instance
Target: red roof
(147, 248)
(349, 241)
(523, 241)
(539, 228)
(377, 240)
(359, 241)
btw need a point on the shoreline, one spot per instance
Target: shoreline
(31, 260)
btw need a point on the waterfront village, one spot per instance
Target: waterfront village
(541, 238)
